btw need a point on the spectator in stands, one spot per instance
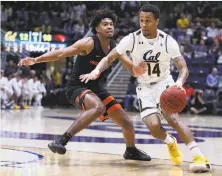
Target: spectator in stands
(197, 103)
(182, 22)
(198, 29)
(213, 79)
(10, 68)
(215, 47)
(201, 49)
(219, 57)
(188, 49)
(190, 31)
(210, 100)
(3, 90)
(46, 27)
(13, 89)
(4, 15)
(80, 27)
(189, 93)
(220, 83)
(56, 77)
(203, 10)
(188, 10)
(25, 92)
(30, 84)
(131, 95)
(39, 92)
(212, 31)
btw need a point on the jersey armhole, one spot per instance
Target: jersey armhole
(166, 44)
(133, 43)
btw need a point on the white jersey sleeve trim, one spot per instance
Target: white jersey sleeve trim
(172, 47)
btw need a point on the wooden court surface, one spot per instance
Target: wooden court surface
(96, 164)
(25, 135)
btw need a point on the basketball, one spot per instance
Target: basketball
(173, 100)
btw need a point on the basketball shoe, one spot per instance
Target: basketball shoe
(131, 153)
(57, 147)
(175, 154)
(200, 164)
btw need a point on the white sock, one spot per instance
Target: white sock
(169, 139)
(195, 150)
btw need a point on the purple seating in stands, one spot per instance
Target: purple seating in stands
(219, 67)
(199, 70)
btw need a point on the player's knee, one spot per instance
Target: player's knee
(172, 120)
(100, 109)
(153, 126)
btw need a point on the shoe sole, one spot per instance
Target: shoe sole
(126, 158)
(55, 151)
(51, 148)
(200, 168)
(137, 159)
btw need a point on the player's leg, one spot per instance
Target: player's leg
(149, 113)
(116, 113)
(194, 110)
(201, 163)
(31, 94)
(93, 108)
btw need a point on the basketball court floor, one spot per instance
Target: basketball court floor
(97, 150)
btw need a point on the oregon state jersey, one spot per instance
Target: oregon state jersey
(85, 64)
(155, 52)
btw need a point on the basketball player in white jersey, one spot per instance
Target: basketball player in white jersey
(155, 48)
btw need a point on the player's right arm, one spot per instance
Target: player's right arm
(83, 46)
(118, 52)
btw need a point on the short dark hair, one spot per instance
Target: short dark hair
(99, 15)
(151, 8)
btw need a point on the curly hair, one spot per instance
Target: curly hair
(151, 8)
(99, 15)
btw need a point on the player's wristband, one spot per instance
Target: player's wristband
(35, 59)
(179, 82)
(97, 71)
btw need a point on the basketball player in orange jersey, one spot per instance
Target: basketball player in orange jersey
(155, 48)
(94, 99)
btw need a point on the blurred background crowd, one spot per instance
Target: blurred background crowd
(197, 26)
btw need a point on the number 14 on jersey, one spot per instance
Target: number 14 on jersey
(153, 69)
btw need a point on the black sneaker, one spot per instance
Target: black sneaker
(136, 155)
(57, 147)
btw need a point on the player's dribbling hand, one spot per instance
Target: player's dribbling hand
(91, 76)
(140, 69)
(27, 61)
(179, 84)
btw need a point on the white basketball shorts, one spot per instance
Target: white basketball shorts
(149, 96)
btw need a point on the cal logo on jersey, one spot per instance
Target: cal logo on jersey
(149, 56)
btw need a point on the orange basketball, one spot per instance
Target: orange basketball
(173, 100)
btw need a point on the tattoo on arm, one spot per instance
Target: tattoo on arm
(182, 67)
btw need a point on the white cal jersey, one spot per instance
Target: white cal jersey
(155, 52)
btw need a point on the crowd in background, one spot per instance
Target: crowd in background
(20, 91)
(197, 26)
